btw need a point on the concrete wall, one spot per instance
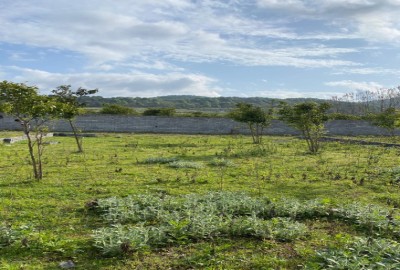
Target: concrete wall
(191, 125)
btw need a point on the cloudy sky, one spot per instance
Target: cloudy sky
(269, 48)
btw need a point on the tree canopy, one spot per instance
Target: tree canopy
(308, 118)
(255, 118)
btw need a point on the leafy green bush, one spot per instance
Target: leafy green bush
(117, 109)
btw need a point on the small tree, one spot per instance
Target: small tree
(388, 119)
(71, 107)
(255, 118)
(309, 118)
(32, 111)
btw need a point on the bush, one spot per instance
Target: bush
(160, 112)
(117, 109)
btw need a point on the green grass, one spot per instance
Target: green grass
(50, 223)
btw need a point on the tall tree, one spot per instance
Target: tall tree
(71, 107)
(32, 111)
(255, 118)
(308, 118)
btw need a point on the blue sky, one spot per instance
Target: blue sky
(245, 48)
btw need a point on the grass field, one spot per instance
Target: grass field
(58, 218)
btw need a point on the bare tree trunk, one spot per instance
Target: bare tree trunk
(26, 129)
(253, 132)
(77, 139)
(39, 144)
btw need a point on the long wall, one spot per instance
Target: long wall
(191, 125)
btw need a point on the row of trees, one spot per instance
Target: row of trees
(33, 111)
(123, 110)
(307, 117)
(366, 102)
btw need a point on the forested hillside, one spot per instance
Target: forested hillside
(186, 102)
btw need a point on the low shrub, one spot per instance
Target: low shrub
(181, 219)
(7, 236)
(120, 239)
(361, 254)
(159, 160)
(185, 164)
(153, 221)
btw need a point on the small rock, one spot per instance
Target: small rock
(67, 265)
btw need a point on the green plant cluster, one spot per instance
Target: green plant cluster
(160, 221)
(362, 253)
(7, 235)
(373, 219)
(159, 160)
(185, 164)
(173, 162)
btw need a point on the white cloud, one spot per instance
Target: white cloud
(123, 32)
(356, 86)
(374, 20)
(293, 5)
(121, 84)
(368, 71)
(287, 93)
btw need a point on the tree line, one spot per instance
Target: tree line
(185, 102)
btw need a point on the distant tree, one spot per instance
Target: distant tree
(160, 112)
(71, 107)
(255, 118)
(308, 118)
(32, 111)
(117, 109)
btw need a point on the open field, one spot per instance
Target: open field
(63, 216)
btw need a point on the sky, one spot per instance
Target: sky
(242, 48)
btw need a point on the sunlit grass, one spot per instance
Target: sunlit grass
(52, 216)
